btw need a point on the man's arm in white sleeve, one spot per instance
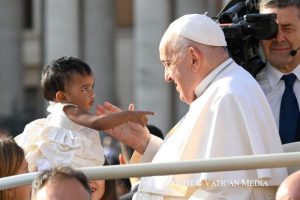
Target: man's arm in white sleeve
(150, 151)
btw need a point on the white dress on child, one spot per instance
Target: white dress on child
(56, 140)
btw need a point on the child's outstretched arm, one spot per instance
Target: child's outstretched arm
(105, 122)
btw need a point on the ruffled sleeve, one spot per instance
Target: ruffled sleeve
(56, 140)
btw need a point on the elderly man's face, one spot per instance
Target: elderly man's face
(178, 71)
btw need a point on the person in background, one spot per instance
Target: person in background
(127, 151)
(61, 183)
(111, 151)
(69, 135)
(98, 189)
(280, 78)
(124, 158)
(12, 162)
(229, 115)
(110, 192)
(123, 186)
(289, 189)
(51, 180)
(103, 189)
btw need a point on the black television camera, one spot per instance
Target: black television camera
(243, 27)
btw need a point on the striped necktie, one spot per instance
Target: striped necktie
(289, 111)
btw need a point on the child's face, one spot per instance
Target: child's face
(79, 91)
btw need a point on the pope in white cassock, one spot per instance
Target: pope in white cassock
(228, 116)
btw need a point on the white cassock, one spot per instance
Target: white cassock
(230, 117)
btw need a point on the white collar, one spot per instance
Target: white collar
(274, 75)
(210, 77)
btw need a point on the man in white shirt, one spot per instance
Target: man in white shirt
(228, 116)
(283, 59)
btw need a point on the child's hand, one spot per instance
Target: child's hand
(139, 117)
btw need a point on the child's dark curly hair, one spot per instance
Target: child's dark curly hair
(60, 71)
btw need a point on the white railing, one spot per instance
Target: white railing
(183, 167)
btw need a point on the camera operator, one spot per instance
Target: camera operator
(280, 79)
